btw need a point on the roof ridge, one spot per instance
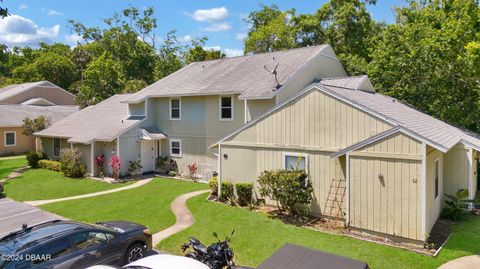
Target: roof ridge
(347, 77)
(261, 53)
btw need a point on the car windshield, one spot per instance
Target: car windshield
(136, 267)
(10, 244)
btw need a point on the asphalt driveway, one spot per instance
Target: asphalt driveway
(14, 214)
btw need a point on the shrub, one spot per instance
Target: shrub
(72, 165)
(292, 190)
(162, 164)
(99, 162)
(192, 170)
(115, 164)
(244, 193)
(50, 165)
(172, 173)
(213, 184)
(456, 205)
(33, 157)
(134, 168)
(227, 191)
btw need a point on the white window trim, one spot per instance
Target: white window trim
(436, 160)
(294, 154)
(220, 108)
(53, 146)
(179, 109)
(14, 138)
(171, 153)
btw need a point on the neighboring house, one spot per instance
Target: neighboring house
(103, 128)
(12, 139)
(182, 114)
(373, 161)
(29, 100)
(43, 93)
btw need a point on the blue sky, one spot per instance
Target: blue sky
(220, 20)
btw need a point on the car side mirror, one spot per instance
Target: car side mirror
(215, 235)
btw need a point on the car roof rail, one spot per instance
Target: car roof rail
(26, 228)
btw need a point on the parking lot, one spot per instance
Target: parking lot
(14, 214)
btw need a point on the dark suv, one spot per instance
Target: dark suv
(67, 244)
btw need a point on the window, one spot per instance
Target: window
(175, 147)
(226, 108)
(175, 109)
(56, 147)
(52, 250)
(436, 178)
(10, 139)
(89, 239)
(292, 161)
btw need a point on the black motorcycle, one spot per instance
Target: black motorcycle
(216, 256)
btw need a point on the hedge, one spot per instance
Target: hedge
(50, 165)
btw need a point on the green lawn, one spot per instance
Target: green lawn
(148, 204)
(8, 165)
(258, 236)
(40, 184)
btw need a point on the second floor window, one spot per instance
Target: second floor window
(175, 109)
(226, 108)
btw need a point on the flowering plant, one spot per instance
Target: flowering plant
(99, 161)
(192, 169)
(115, 165)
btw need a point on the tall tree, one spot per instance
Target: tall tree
(197, 53)
(345, 24)
(429, 58)
(3, 12)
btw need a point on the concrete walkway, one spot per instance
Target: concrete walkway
(135, 185)
(12, 157)
(467, 262)
(182, 214)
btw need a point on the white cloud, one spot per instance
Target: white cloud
(233, 52)
(212, 48)
(52, 12)
(185, 38)
(74, 39)
(16, 30)
(23, 6)
(210, 15)
(217, 27)
(240, 36)
(228, 52)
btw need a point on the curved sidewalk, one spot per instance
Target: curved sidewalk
(135, 185)
(182, 214)
(467, 262)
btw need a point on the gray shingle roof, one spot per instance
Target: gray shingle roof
(13, 115)
(14, 89)
(101, 122)
(244, 75)
(400, 114)
(433, 131)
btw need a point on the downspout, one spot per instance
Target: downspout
(470, 174)
(92, 157)
(347, 163)
(219, 172)
(245, 114)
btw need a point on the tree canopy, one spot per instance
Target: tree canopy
(123, 56)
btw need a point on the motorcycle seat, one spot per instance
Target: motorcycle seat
(200, 248)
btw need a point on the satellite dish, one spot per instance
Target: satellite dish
(273, 72)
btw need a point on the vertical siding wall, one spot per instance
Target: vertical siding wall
(198, 128)
(457, 169)
(319, 67)
(316, 125)
(434, 205)
(386, 187)
(129, 148)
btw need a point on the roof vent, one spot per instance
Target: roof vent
(273, 72)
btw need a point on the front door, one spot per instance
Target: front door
(149, 149)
